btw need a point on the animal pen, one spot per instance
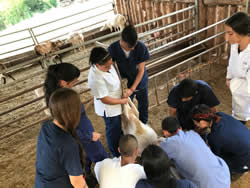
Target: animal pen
(179, 28)
(185, 39)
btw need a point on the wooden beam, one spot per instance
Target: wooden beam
(176, 1)
(224, 2)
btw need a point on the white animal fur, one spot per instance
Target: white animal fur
(39, 92)
(76, 39)
(117, 22)
(132, 125)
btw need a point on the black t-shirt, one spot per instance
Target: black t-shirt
(204, 95)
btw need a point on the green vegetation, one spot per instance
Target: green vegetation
(14, 11)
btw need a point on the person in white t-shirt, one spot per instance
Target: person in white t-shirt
(238, 71)
(105, 85)
(121, 172)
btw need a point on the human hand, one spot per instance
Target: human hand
(128, 93)
(124, 100)
(96, 136)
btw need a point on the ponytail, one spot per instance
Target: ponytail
(62, 71)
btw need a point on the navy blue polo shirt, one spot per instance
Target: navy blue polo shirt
(230, 139)
(204, 95)
(57, 157)
(143, 183)
(128, 66)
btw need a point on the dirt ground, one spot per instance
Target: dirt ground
(18, 153)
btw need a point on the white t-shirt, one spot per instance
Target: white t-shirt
(238, 71)
(103, 84)
(110, 174)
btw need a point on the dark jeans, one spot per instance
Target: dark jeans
(142, 97)
(95, 152)
(113, 133)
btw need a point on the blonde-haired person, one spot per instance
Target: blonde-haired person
(238, 72)
(60, 156)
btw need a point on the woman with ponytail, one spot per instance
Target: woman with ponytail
(60, 156)
(227, 137)
(65, 75)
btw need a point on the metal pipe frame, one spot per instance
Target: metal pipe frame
(189, 35)
(87, 43)
(187, 48)
(187, 60)
(165, 16)
(74, 23)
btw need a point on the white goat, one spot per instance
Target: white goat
(132, 125)
(117, 22)
(39, 92)
(76, 39)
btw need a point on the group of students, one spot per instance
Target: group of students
(68, 144)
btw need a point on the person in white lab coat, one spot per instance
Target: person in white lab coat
(105, 85)
(237, 29)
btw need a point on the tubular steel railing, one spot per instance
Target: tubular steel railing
(33, 36)
(85, 80)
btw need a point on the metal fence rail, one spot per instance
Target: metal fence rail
(151, 77)
(33, 34)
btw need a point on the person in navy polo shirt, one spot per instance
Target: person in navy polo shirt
(130, 56)
(184, 96)
(60, 158)
(227, 138)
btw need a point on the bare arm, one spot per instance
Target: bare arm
(139, 75)
(110, 100)
(138, 78)
(78, 181)
(172, 111)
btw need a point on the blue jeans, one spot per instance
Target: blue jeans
(113, 133)
(142, 98)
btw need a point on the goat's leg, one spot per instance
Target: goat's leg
(133, 107)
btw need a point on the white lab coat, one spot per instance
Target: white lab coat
(238, 71)
(104, 84)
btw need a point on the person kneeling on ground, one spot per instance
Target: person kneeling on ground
(227, 137)
(192, 157)
(121, 172)
(157, 168)
(184, 96)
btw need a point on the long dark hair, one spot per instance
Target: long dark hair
(99, 55)
(65, 107)
(157, 167)
(240, 23)
(63, 71)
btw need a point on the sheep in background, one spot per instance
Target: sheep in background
(47, 47)
(132, 125)
(117, 22)
(76, 39)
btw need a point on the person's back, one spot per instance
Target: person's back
(112, 175)
(121, 172)
(236, 151)
(195, 161)
(52, 144)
